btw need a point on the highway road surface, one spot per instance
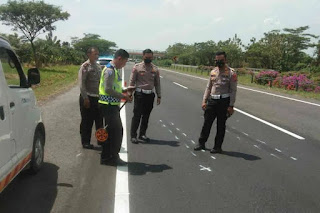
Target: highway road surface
(270, 161)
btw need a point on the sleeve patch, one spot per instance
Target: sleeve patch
(234, 77)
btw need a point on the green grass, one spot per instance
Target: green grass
(246, 80)
(54, 79)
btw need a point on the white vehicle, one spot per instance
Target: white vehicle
(22, 133)
(104, 60)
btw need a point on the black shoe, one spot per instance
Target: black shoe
(106, 161)
(99, 143)
(199, 147)
(144, 138)
(120, 162)
(134, 140)
(213, 150)
(115, 161)
(87, 146)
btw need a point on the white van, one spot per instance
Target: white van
(22, 133)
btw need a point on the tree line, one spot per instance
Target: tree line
(33, 18)
(283, 50)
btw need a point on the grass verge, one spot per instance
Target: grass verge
(54, 80)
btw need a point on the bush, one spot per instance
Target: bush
(305, 84)
(163, 63)
(242, 71)
(264, 77)
(315, 69)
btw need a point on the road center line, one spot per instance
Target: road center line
(270, 124)
(121, 199)
(180, 85)
(253, 90)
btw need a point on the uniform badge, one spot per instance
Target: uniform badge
(213, 76)
(110, 72)
(234, 77)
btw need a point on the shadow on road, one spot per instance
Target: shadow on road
(161, 142)
(241, 155)
(32, 193)
(136, 168)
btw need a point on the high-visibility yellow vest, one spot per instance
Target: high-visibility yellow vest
(105, 98)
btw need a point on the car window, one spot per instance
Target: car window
(104, 62)
(11, 68)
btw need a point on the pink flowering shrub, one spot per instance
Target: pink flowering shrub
(305, 84)
(264, 77)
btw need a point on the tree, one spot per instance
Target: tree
(296, 42)
(32, 18)
(94, 40)
(20, 46)
(233, 48)
(317, 54)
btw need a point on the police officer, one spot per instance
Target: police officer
(89, 76)
(145, 76)
(110, 95)
(218, 101)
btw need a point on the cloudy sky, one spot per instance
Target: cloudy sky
(156, 24)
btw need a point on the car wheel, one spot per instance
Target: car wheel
(37, 153)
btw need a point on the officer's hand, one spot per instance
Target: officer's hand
(158, 101)
(230, 110)
(204, 106)
(128, 98)
(86, 103)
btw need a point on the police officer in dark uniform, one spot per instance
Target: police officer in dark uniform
(218, 101)
(145, 77)
(110, 95)
(89, 76)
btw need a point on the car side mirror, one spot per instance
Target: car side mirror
(33, 76)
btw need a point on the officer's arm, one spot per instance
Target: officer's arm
(109, 76)
(82, 81)
(233, 89)
(157, 84)
(207, 91)
(133, 77)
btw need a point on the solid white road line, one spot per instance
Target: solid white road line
(121, 200)
(180, 85)
(253, 90)
(280, 96)
(270, 124)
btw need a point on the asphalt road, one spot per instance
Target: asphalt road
(262, 169)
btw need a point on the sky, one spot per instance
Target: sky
(156, 24)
